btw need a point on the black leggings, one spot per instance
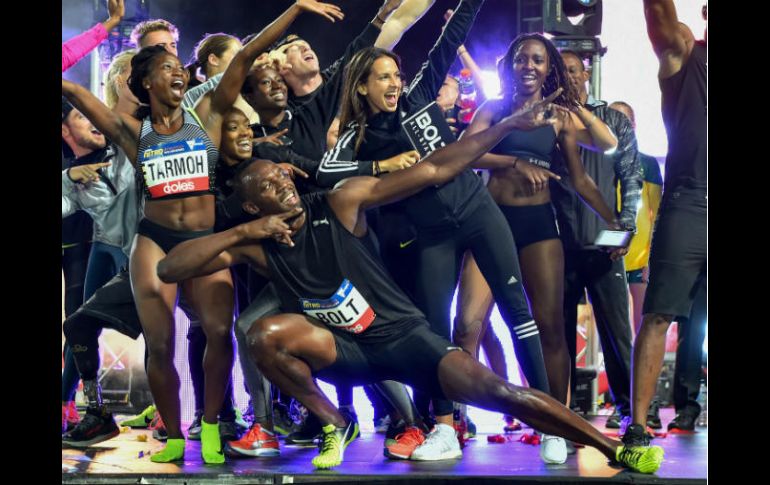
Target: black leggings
(486, 234)
(74, 263)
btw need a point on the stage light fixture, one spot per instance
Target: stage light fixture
(556, 15)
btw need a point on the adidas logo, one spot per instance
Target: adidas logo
(526, 330)
(512, 280)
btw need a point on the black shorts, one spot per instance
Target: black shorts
(678, 253)
(167, 238)
(411, 357)
(531, 223)
(635, 276)
(114, 305)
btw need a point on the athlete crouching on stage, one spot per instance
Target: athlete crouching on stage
(349, 320)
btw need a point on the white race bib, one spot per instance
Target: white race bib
(176, 167)
(346, 309)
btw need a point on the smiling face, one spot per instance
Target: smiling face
(236, 145)
(267, 91)
(530, 67)
(383, 86)
(79, 133)
(167, 81)
(304, 62)
(267, 189)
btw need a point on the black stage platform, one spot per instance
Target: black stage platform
(118, 461)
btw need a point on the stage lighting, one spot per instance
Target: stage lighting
(556, 13)
(490, 84)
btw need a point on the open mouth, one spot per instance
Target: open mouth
(391, 99)
(308, 57)
(177, 87)
(96, 132)
(278, 95)
(244, 145)
(288, 197)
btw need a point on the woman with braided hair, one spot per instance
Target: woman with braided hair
(520, 171)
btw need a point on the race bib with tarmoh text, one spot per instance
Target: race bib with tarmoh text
(175, 168)
(345, 309)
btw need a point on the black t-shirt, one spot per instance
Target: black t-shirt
(338, 278)
(684, 114)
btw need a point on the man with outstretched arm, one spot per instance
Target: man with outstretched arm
(346, 319)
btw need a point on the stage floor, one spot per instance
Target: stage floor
(119, 461)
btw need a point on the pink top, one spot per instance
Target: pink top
(77, 47)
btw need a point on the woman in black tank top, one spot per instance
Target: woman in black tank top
(178, 208)
(531, 70)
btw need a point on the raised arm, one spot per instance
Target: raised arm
(402, 19)
(215, 252)
(428, 81)
(628, 170)
(77, 47)
(228, 89)
(120, 128)
(666, 35)
(360, 193)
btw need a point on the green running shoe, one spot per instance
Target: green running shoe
(643, 459)
(333, 444)
(141, 420)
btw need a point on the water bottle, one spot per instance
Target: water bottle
(703, 401)
(467, 99)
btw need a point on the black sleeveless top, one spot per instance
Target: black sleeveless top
(684, 114)
(338, 278)
(534, 145)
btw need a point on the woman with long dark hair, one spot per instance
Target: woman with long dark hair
(519, 167)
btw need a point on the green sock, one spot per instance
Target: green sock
(211, 445)
(173, 451)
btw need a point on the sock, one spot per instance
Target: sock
(173, 451)
(211, 444)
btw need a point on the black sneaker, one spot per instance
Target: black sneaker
(653, 415)
(228, 431)
(684, 421)
(96, 426)
(615, 420)
(307, 433)
(394, 429)
(636, 435)
(194, 431)
(283, 423)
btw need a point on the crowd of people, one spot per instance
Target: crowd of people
(286, 205)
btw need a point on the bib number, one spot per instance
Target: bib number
(345, 309)
(176, 168)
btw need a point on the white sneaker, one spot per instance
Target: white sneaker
(440, 444)
(553, 449)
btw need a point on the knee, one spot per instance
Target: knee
(219, 334)
(159, 348)
(656, 322)
(263, 338)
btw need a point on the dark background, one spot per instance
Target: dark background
(491, 34)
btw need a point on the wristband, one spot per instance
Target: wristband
(377, 170)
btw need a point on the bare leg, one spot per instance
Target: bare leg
(155, 304)
(474, 305)
(212, 298)
(637, 291)
(287, 348)
(649, 348)
(542, 268)
(463, 379)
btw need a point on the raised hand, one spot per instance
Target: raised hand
(534, 115)
(273, 226)
(117, 9)
(331, 12)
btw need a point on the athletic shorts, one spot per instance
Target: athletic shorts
(411, 357)
(114, 305)
(678, 253)
(167, 238)
(531, 223)
(635, 276)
